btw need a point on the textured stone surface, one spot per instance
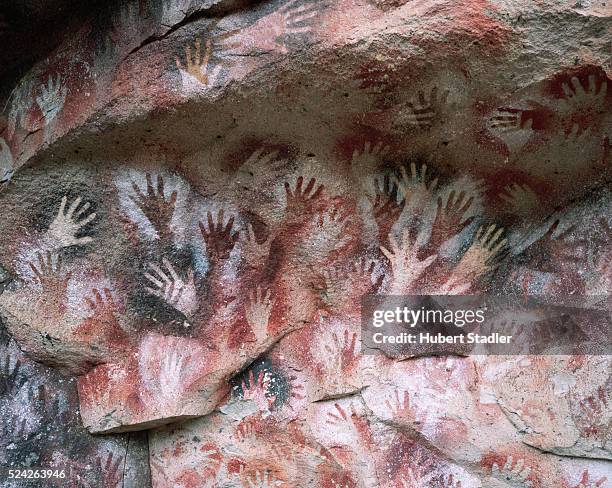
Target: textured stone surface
(41, 428)
(196, 195)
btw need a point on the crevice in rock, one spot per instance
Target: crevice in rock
(341, 396)
(560, 453)
(221, 9)
(137, 470)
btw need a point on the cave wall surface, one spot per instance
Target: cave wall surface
(197, 194)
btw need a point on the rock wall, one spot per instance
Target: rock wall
(197, 194)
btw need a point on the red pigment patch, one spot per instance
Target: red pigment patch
(345, 146)
(554, 86)
(467, 20)
(497, 182)
(248, 146)
(500, 459)
(190, 479)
